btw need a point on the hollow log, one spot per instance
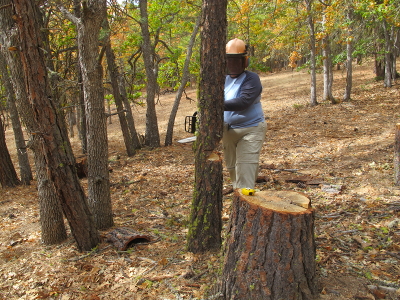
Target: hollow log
(270, 248)
(124, 238)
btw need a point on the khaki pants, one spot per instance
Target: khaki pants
(242, 148)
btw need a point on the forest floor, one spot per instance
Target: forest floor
(340, 156)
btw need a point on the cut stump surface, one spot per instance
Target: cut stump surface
(270, 249)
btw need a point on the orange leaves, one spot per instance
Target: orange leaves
(293, 58)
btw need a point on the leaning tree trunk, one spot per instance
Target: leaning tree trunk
(51, 131)
(129, 115)
(205, 219)
(270, 249)
(8, 175)
(22, 153)
(184, 80)
(114, 75)
(47, 195)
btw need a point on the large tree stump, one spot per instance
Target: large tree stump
(270, 248)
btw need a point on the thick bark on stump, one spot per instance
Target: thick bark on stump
(270, 252)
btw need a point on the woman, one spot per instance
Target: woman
(244, 122)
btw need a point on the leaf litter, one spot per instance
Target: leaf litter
(340, 156)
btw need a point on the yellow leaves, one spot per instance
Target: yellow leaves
(293, 58)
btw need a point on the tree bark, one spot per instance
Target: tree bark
(51, 217)
(388, 55)
(184, 80)
(152, 136)
(88, 29)
(270, 249)
(47, 194)
(22, 153)
(51, 131)
(327, 61)
(8, 175)
(349, 60)
(129, 115)
(205, 223)
(397, 155)
(313, 88)
(114, 75)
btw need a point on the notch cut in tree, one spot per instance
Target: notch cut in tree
(270, 249)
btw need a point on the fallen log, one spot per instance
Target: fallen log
(270, 248)
(124, 238)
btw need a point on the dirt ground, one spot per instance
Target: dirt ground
(340, 156)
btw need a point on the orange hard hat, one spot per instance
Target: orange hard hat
(236, 46)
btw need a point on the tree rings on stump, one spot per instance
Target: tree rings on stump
(270, 248)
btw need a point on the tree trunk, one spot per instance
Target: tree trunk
(8, 175)
(397, 156)
(152, 136)
(327, 61)
(51, 217)
(88, 28)
(114, 75)
(205, 223)
(388, 56)
(22, 153)
(270, 250)
(51, 131)
(81, 102)
(129, 114)
(184, 80)
(313, 88)
(349, 60)
(48, 197)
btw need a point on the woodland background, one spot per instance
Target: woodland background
(338, 152)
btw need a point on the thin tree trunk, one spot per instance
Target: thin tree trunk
(313, 88)
(327, 62)
(395, 53)
(152, 135)
(397, 155)
(22, 153)
(52, 134)
(8, 175)
(388, 56)
(184, 80)
(349, 60)
(129, 115)
(205, 223)
(81, 102)
(114, 75)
